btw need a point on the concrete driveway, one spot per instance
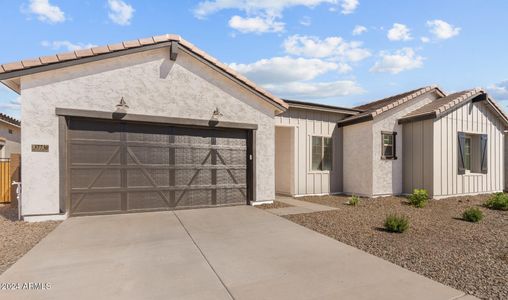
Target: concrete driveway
(219, 253)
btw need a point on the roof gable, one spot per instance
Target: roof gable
(444, 105)
(47, 63)
(376, 108)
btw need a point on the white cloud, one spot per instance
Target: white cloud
(268, 7)
(331, 47)
(66, 45)
(399, 32)
(359, 29)
(425, 39)
(306, 21)
(315, 90)
(261, 11)
(499, 91)
(255, 24)
(401, 60)
(46, 12)
(12, 104)
(349, 6)
(285, 69)
(120, 12)
(294, 77)
(442, 30)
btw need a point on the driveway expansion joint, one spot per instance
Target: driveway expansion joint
(204, 256)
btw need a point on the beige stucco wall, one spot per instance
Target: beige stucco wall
(12, 140)
(474, 118)
(307, 123)
(151, 84)
(284, 160)
(357, 157)
(387, 173)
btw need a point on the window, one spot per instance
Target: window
(467, 153)
(321, 153)
(472, 153)
(10, 131)
(388, 145)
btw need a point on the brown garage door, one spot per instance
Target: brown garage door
(125, 167)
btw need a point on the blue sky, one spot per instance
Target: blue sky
(339, 52)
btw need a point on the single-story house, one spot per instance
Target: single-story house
(10, 136)
(10, 149)
(157, 124)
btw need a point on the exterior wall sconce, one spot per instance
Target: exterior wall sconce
(121, 107)
(216, 115)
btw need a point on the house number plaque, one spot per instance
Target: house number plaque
(40, 148)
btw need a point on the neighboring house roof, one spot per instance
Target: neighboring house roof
(321, 107)
(375, 108)
(45, 63)
(10, 120)
(446, 104)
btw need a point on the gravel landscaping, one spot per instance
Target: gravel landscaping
(275, 204)
(471, 257)
(17, 237)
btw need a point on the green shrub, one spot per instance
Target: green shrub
(395, 223)
(498, 201)
(354, 200)
(472, 214)
(419, 198)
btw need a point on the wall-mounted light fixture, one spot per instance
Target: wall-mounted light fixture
(122, 107)
(216, 115)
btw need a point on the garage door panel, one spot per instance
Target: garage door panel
(95, 202)
(150, 167)
(228, 196)
(98, 178)
(148, 155)
(139, 178)
(148, 200)
(95, 154)
(193, 198)
(95, 130)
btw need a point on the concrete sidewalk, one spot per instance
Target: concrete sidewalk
(219, 253)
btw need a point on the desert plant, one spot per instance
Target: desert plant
(498, 201)
(395, 223)
(419, 198)
(472, 214)
(354, 200)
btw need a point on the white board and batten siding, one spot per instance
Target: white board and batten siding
(308, 123)
(474, 118)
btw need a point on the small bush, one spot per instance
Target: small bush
(472, 214)
(498, 201)
(419, 198)
(354, 200)
(395, 223)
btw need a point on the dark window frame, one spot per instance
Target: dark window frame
(322, 165)
(393, 134)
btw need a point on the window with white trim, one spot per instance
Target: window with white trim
(321, 153)
(388, 145)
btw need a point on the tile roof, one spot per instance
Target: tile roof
(372, 109)
(32, 64)
(319, 105)
(443, 105)
(9, 119)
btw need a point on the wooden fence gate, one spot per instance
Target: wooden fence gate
(5, 180)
